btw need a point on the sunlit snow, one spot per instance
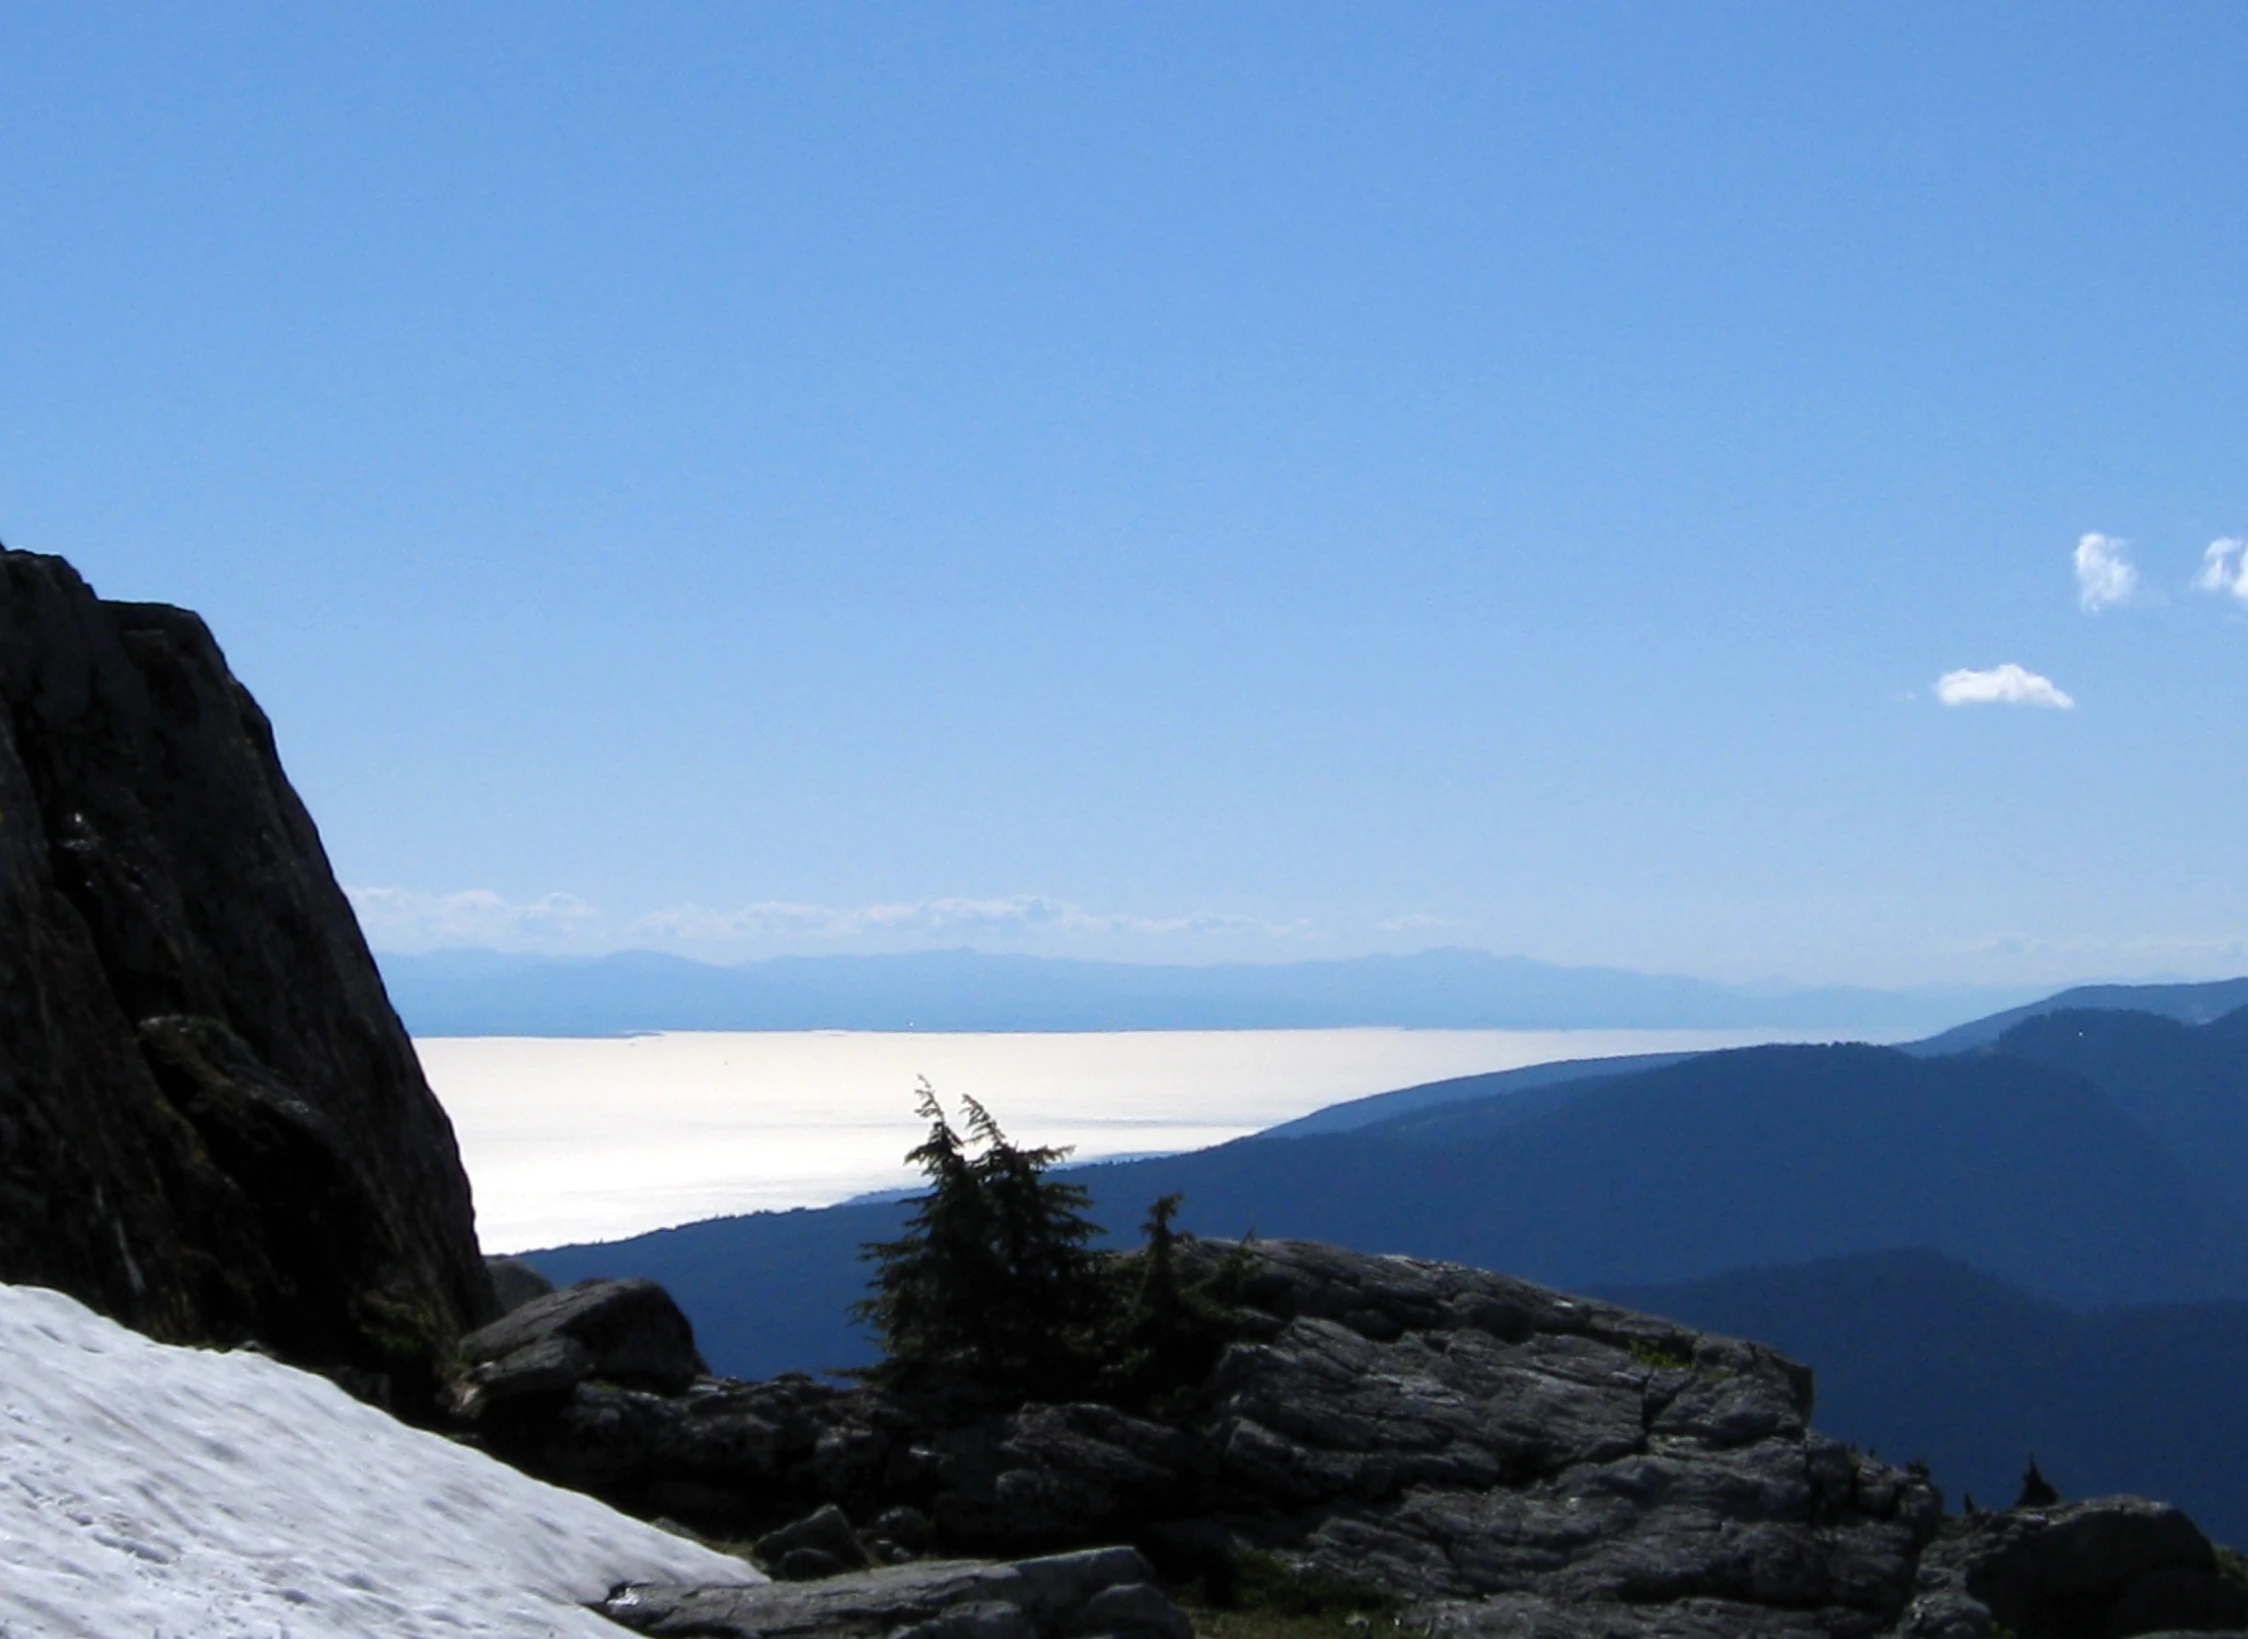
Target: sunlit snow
(150, 1492)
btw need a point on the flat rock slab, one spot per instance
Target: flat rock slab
(1527, 1616)
(1100, 1591)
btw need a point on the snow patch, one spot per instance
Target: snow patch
(165, 1492)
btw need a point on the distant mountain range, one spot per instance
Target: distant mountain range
(485, 993)
(2183, 1003)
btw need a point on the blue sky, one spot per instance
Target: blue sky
(1180, 482)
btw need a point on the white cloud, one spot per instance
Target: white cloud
(2007, 685)
(2224, 567)
(410, 919)
(1018, 915)
(1413, 922)
(2104, 572)
(2128, 959)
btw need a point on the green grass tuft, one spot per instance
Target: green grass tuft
(2232, 1565)
(1665, 1354)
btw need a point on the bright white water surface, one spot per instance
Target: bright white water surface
(590, 1140)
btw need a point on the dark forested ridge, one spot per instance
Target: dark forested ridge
(2200, 1003)
(1732, 1159)
(1921, 1357)
(2187, 1084)
(1531, 1090)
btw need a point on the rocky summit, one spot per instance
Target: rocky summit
(212, 1126)
(1487, 1457)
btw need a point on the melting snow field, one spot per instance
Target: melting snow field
(150, 1492)
(571, 1140)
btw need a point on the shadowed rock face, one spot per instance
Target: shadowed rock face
(212, 1126)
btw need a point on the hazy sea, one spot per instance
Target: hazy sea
(591, 1140)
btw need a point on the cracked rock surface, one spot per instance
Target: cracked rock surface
(1505, 1459)
(1496, 1459)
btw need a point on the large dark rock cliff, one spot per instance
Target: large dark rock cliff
(212, 1125)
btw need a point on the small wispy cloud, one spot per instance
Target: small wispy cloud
(414, 919)
(1413, 922)
(2007, 685)
(2083, 957)
(2105, 575)
(1019, 913)
(409, 920)
(2224, 567)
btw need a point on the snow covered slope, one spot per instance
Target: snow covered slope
(163, 1493)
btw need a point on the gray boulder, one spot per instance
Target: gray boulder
(515, 1282)
(728, 1458)
(624, 1331)
(820, 1544)
(2106, 1568)
(212, 1127)
(900, 1532)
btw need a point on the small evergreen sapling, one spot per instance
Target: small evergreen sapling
(1172, 1331)
(2037, 1490)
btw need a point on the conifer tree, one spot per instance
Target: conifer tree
(935, 1277)
(996, 1292)
(994, 1286)
(2037, 1490)
(1172, 1330)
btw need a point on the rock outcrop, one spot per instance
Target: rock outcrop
(2109, 1567)
(514, 1282)
(1103, 1594)
(1497, 1458)
(626, 1332)
(212, 1126)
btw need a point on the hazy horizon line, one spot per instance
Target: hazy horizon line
(1746, 987)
